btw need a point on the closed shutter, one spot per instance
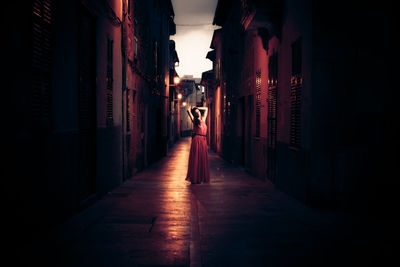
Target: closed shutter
(109, 79)
(155, 56)
(109, 109)
(258, 102)
(296, 85)
(272, 115)
(42, 43)
(128, 113)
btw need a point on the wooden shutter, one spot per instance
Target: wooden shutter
(272, 115)
(42, 43)
(109, 79)
(272, 99)
(258, 102)
(128, 113)
(296, 85)
(110, 47)
(155, 56)
(109, 109)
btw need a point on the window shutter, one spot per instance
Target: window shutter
(110, 47)
(109, 109)
(128, 113)
(135, 47)
(42, 42)
(272, 99)
(109, 102)
(272, 115)
(258, 102)
(155, 56)
(296, 84)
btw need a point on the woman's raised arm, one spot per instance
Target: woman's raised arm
(204, 117)
(190, 114)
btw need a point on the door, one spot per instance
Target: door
(87, 104)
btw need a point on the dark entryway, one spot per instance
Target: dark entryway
(87, 104)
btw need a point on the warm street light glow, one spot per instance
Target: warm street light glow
(183, 104)
(176, 80)
(179, 96)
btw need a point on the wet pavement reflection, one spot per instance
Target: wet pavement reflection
(157, 218)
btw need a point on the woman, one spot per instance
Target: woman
(198, 169)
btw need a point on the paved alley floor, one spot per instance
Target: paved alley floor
(157, 218)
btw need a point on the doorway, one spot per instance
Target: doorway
(87, 104)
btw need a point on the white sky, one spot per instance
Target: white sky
(193, 42)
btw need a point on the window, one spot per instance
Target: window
(272, 98)
(258, 102)
(109, 80)
(128, 114)
(130, 7)
(295, 95)
(272, 115)
(155, 55)
(109, 109)
(135, 47)
(42, 42)
(218, 70)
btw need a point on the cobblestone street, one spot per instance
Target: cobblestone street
(159, 219)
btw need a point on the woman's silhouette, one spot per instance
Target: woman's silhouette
(198, 168)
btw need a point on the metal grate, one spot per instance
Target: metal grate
(296, 85)
(42, 43)
(258, 102)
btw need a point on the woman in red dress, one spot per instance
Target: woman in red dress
(198, 168)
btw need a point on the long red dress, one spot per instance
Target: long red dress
(198, 168)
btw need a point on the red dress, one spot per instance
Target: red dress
(198, 168)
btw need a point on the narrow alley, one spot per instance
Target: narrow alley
(158, 219)
(118, 113)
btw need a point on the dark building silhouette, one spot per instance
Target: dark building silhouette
(303, 96)
(154, 24)
(174, 116)
(89, 103)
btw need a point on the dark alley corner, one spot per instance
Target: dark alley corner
(302, 109)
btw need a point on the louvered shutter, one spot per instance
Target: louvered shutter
(42, 43)
(296, 85)
(272, 115)
(258, 102)
(109, 103)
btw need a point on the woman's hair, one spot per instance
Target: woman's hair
(196, 119)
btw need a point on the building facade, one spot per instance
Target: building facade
(292, 93)
(93, 107)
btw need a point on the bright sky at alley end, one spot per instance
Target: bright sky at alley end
(194, 31)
